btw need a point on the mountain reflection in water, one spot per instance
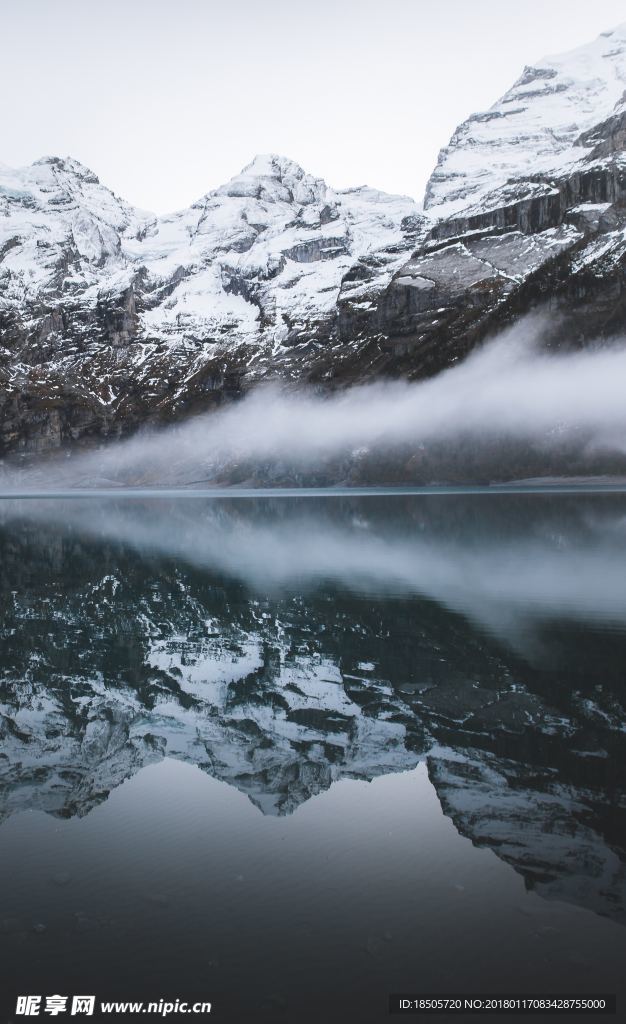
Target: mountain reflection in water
(282, 645)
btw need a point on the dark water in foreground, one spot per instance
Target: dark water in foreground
(291, 755)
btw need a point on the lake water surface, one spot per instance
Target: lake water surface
(289, 755)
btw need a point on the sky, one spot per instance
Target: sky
(166, 100)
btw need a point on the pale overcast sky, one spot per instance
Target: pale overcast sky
(166, 99)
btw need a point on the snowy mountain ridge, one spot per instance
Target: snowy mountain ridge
(112, 318)
(64, 232)
(538, 128)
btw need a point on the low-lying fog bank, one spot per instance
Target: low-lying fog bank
(510, 411)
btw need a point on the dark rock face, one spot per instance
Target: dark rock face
(558, 251)
(111, 318)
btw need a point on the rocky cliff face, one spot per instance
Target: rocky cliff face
(527, 209)
(110, 317)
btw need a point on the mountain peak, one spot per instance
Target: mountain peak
(534, 129)
(67, 165)
(275, 178)
(617, 31)
(273, 165)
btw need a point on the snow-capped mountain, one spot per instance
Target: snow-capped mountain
(206, 270)
(542, 128)
(527, 210)
(111, 317)
(103, 306)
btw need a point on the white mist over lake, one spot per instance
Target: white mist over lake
(509, 390)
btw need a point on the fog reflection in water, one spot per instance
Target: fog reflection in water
(287, 646)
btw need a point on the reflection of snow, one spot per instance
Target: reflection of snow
(280, 687)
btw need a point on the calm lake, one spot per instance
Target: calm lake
(289, 755)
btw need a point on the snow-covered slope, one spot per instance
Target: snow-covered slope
(538, 128)
(264, 254)
(53, 208)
